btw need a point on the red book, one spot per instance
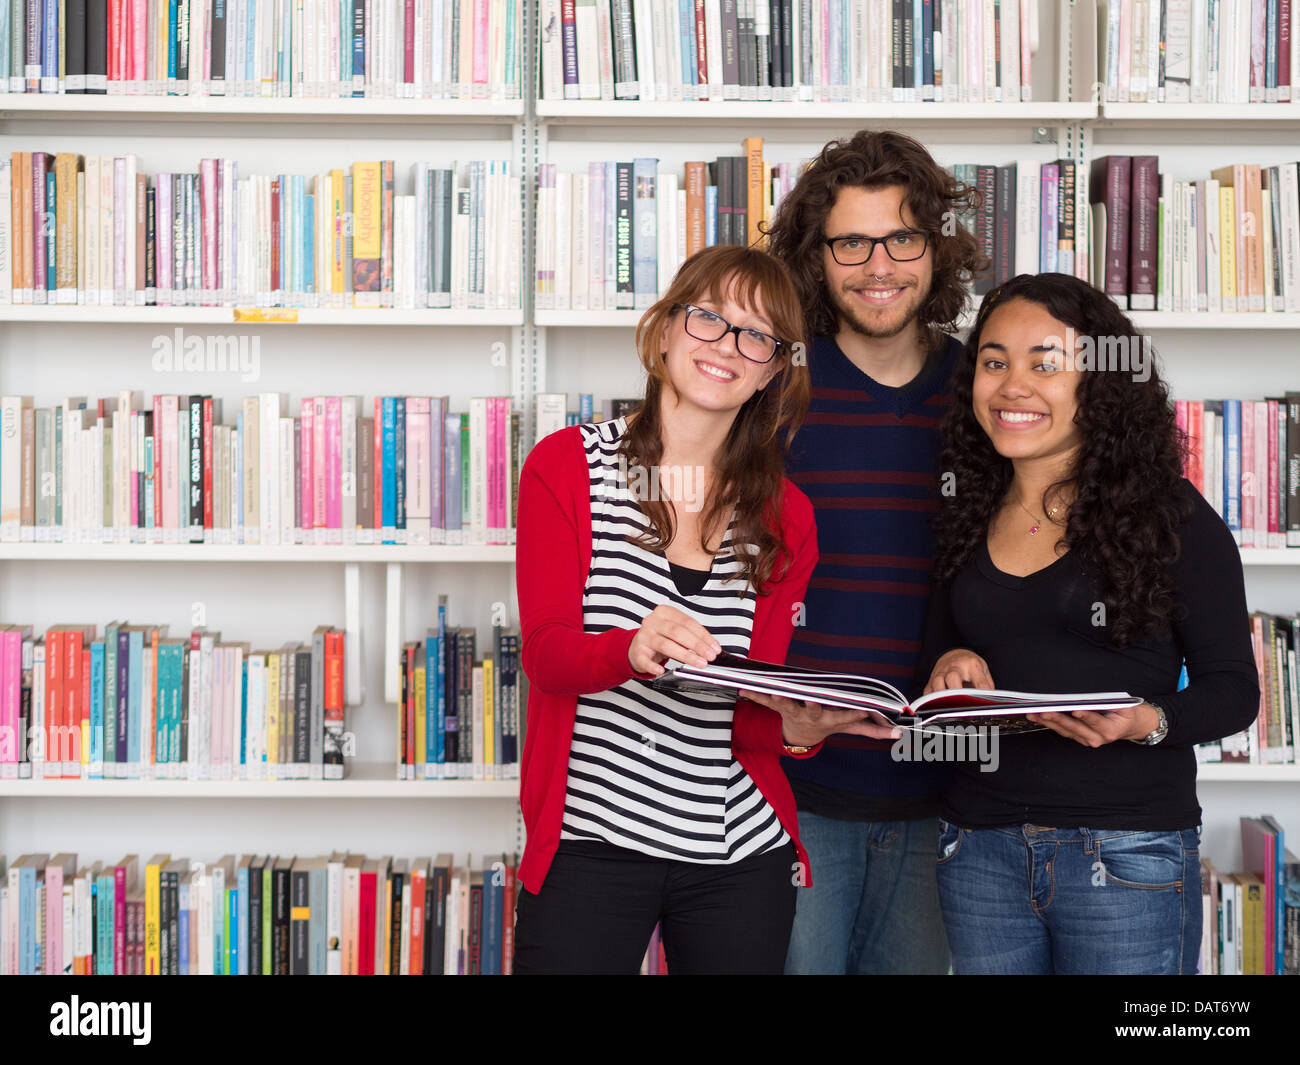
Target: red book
(419, 879)
(1272, 427)
(1284, 92)
(377, 477)
(1247, 473)
(85, 701)
(409, 745)
(408, 48)
(53, 702)
(701, 62)
(114, 39)
(207, 462)
(366, 923)
(508, 925)
(71, 732)
(275, 240)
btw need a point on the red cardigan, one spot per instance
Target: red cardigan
(553, 556)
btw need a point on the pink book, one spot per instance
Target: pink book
(480, 42)
(333, 468)
(9, 740)
(119, 920)
(208, 238)
(170, 411)
(53, 919)
(306, 484)
(1258, 38)
(133, 433)
(437, 431)
(1247, 473)
(408, 46)
(1026, 57)
(139, 40)
(319, 469)
(496, 482)
(1264, 487)
(417, 469)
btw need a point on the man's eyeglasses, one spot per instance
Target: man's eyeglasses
(902, 247)
(753, 344)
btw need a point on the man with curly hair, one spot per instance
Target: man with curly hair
(872, 237)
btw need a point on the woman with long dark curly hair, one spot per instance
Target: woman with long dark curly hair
(1074, 557)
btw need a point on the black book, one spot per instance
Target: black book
(745, 39)
(359, 46)
(196, 469)
(475, 936)
(721, 221)
(730, 49)
(451, 701)
(255, 916)
(763, 55)
(927, 44)
(1005, 223)
(217, 35)
(435, 909)
(96, 46)
(896, 40)
(74, 46)
(397, 881)
(1292, 468)
(280, 916)
(299, 917)
(624, 296)
(150, 246)
(466, 647)
(399, 495)
(775, 52)
(986, 182)
(739, 200)
(302, 707)
(909, 48)
(182, 42)
(787, 43)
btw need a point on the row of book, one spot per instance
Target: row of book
(416, 49)
(134, 703)
(1251, 919)
(258, 915)
(869, 51)
(613, 237)
(460, 715)
(99, 231)
(1197, 51)
(1273, 738)
(1244, 456)
(126, 470)
(1228, 242)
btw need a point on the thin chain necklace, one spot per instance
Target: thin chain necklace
(1037, 522)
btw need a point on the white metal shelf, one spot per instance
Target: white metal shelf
(86, 552)
(1270, 556)
(354, 316)
(1200, 115)
(653, 112)
(1245, 773)
(1158, 320)
(34, 107)
(365, 780)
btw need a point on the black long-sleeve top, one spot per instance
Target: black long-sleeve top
(1037, 634)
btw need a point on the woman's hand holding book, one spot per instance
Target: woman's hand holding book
(805, 724)
(959, 668)
(668, 633)
(1097, 730)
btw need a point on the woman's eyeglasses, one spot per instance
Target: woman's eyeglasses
(753, 344)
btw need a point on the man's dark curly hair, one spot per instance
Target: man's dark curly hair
(1128, 503)
(871, 159)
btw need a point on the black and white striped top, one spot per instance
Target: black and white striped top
(652, 770)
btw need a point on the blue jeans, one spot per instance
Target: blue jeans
(1037, 900)
(873, 906)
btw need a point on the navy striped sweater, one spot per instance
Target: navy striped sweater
(867, 456)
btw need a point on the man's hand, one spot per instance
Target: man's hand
(807, 724)
(1095, 729)
(668, 633)
(956, 668)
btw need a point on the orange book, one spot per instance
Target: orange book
(54, 673)
(21, 200)
(696, 180)
(419, 882)
(754, 189)
(1245, 230)
(66, 167)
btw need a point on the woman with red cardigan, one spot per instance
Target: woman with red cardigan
(642, 540)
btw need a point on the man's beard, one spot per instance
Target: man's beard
(848, 313)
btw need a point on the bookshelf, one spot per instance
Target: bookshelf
(393, 588)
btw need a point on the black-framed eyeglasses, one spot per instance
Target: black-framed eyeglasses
(753, 344)
(903, 247)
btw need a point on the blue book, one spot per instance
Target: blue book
(51, 231)
(183, 935)
(219, 926)
(451, 478)
(241, 920)
(399, 466)
(232, 930)
(243, 714)
(586, 408)
(440, 725)
(4, 77)
(710, 215)
(171, 39)
(48, 41)
(97, 709)
(1279, 893)
(104, 952)
(27, 915)
(359, 49)
(494, 896)
(1232, 466)
(388, 469)
(686, 26)
(308, 245)
(316, 964)
(645, 239)
(133, 737)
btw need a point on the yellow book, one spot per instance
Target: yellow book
(1253, 925)
(367, 195)
(272, 711)
(1228, 247)
(754, 188)
(66, 167)
(152, 913)
(421, 702)
(489, 747)
(337, 237)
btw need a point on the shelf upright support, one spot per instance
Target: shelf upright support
(393, 634)
(353, 681)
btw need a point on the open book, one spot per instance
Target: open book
(880, 700)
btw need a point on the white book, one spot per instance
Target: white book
(514, 260)
(643, 37)
(550, 413)
(665, 87)
(1266, 224)
(666, 228)
(563, 239)
(1290, 252)
(672, 51)
(605, 52)
(202, 721)
(11, 465)
(287, 476)
(552, 50)
(1029, 191)
(580, 244)
(348, 467)
(272, 407)
(255, 766)
(586, 33)
(203, 920)
(1213, 267)
(6, 234)
(492, 226)
(334, 914)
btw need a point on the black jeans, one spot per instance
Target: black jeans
(599, 904)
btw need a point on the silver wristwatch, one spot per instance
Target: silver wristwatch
(1160, 731)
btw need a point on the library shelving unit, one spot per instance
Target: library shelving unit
(387, 592)
(1203, 355)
